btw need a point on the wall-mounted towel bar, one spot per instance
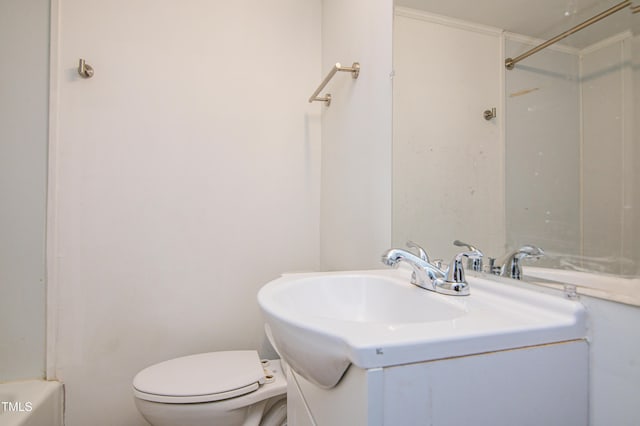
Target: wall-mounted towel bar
(509, 63)
(353, 69)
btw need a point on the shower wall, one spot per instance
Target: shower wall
(24, 49)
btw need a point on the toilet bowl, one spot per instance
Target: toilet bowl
(230, 388)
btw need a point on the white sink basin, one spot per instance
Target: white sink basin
(321, 323)
(362, 298)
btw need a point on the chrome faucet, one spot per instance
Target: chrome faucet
(475, 263)
(427, 276)
(423, 271)
(509, 264)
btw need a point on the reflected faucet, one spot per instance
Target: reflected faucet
(509, 264)
(427, 276)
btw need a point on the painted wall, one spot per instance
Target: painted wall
(356, 135)
(187, 175)
(447, 159)
(24, 87)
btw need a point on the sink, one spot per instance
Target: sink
(362, 298)
(321, 323)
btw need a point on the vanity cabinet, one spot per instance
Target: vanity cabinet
(540, 385)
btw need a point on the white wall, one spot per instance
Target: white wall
(187, 176)
(24, 49)
(447, 159)
(356, 135)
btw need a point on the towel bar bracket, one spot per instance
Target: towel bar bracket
(354, 69)
(326, 99)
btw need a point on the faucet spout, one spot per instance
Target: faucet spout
(509, 265)
(424, 273)
(430, 277)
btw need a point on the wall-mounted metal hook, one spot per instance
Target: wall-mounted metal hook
(490, 114)
(85, 70)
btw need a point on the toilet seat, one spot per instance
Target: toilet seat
(207, 377)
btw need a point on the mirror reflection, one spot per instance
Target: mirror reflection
(545, 154)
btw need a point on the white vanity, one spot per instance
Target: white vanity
(369, 348)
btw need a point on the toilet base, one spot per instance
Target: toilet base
(272, 412)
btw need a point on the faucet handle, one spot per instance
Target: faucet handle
(459, 243)
(491, 266)
(455, 272)
(454, 282)
(475, 262)
(421, 251)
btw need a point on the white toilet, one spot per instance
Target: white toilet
(231, 388)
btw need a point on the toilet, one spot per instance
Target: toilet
(230, 388)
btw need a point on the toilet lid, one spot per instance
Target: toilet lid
(204, 377)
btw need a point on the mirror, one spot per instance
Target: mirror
(557, 166)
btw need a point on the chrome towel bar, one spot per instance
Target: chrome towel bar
(353, 69)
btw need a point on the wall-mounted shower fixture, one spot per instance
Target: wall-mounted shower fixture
(510, 63)
(85, 70)
(353, 69)
(489, 114)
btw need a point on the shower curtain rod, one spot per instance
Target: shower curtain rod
(509, 63)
